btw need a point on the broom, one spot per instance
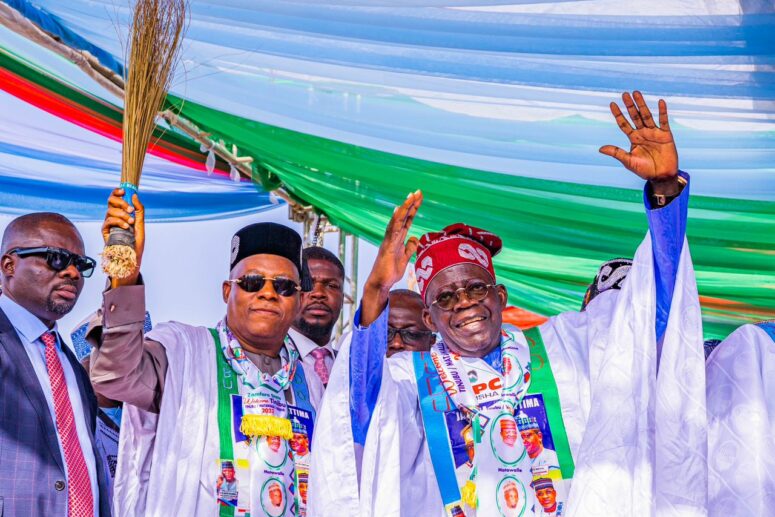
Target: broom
(155, 36)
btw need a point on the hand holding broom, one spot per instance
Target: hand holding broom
(156, 34)
(121, 215)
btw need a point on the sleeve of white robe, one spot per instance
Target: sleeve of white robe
(369, 456)
(741, 423)
(639, 438)
(343, 420)
(333, 481)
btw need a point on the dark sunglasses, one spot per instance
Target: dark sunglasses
(59, 259)
(254, 283)
(410, 337)
(475, 291)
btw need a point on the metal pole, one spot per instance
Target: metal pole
(342, 241)
(308, 229)
(354, 280)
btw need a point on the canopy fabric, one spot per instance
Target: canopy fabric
(60, 150)
(496, 110)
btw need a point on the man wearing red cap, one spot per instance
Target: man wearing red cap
(617, 391)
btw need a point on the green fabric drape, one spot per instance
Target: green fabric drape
(555, 234)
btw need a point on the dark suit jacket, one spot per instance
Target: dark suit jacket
(32, 472)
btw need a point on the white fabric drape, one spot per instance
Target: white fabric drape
(741, 424)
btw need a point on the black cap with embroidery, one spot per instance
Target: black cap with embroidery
(542, 483)
(611, 275)
(271, 239)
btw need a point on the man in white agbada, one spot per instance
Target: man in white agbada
(741, 423)
(202, 401)
(617, 390)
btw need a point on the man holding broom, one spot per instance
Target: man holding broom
(199, 401)
(200, 398)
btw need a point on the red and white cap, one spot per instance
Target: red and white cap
(456, 244)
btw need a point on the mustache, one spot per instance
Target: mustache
(318, 306)
(67, 283)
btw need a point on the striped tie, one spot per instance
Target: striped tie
(321, 369)
(80, 502)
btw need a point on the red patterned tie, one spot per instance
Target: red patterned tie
(321, 369)
(80, 502)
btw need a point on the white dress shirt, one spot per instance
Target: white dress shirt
(305, 346)
(29, 329)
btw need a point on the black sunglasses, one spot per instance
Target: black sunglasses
(254, 283)
(410, 337)
(475, 291)
(59, 259)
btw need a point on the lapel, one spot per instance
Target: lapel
(26, 379)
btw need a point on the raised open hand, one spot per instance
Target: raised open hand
(396, 251)
(652, 155)
(392, 258)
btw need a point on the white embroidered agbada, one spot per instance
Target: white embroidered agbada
(638, 439)
(168, 462)
(741, 423)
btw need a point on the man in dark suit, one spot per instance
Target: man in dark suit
(48, 464)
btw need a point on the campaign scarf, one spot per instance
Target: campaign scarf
(501, 475)
(263, 399)
(262, 451)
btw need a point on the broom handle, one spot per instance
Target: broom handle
(120, 236)
(130, 190)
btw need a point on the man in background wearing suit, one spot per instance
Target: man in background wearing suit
(48, 465)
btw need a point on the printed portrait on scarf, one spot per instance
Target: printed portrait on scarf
(273, 497)
(505, 440)
(549, 503)
(536, 435)
(228, 485)
(512, 497)
(273, 450)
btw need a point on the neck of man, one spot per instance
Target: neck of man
(270, 350)
(552, 509)
(270, 347)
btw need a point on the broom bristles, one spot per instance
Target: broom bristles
(156, 33)
(154, 48)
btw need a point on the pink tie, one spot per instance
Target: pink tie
(321, 369)
(80, 502)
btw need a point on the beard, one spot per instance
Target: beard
(60, 308)
(315, 331)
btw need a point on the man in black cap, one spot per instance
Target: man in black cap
(200, 399)
(611, 275)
